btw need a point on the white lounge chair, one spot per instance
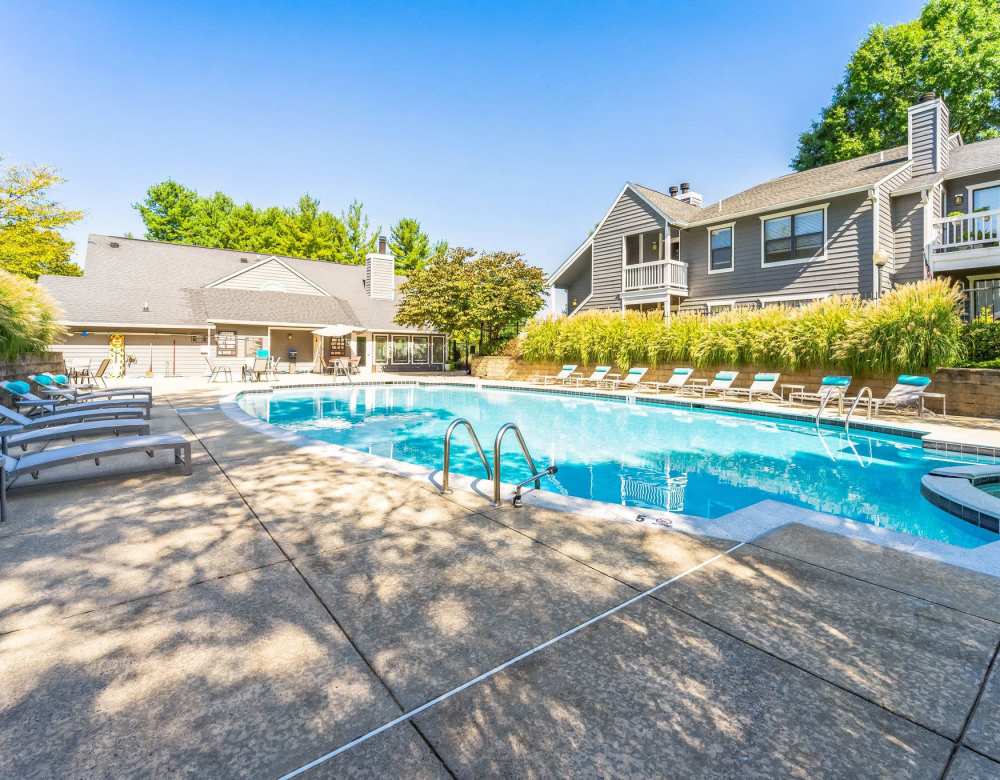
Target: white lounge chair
(565, 375)
(722, 382)
(25, 399)
(831, 388)
(50, 386)
(907, 393)
(596, 377)
(23, 436)
(633, 378)
(90, 412)
(678, 378)
(34, 462)
(762, 385)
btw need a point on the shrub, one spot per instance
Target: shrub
(916, 327)
(27, 317)
(981, 339)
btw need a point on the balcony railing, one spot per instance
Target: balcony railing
(660, 274)
(968, 231)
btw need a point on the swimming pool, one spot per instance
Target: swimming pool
(698, 462)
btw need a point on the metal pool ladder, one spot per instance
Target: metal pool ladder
(536, 475)
(494, 473)
(447, 451)
(857, 400)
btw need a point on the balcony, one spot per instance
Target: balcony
(965, 242)
(670, 275)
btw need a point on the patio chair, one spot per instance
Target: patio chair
(596, 377)
(25, 399)
(22, 436)
(565, 375)
(215, 370)
(58, 385)
(907, 393)
(762, 385)
(678, 378)
(258, 369)
(34, 462)
(356, 364)
(831, 388)
(99, 374)
(64, 418)
(633, 378)
(721, 382)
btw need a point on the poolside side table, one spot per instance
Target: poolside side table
(791, 388)
(938, 396)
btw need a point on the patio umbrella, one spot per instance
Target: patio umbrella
(336, 330)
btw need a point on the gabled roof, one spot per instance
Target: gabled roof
(825, 181)
(259, 266)
(677, 211)
(158, 284)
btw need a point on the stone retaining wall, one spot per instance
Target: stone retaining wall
(973, 392)
(33, 364)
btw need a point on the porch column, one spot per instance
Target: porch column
(666, 308)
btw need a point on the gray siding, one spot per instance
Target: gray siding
(270, 275)
(629, 215)
(958, 186)
(170, 353)
(908, 238)
(886, 237)
(924, 147)
(845, 270)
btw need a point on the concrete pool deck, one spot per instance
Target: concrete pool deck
(277, 605)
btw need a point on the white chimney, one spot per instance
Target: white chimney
(380, 273)
(927, 133)
(688, 195)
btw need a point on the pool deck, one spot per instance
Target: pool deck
(277, 605)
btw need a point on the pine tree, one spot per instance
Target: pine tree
(409, 245)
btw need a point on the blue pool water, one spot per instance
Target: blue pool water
(698, 462)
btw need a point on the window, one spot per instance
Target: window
(720, 248)
(794, 237)
(381, 349)
(400, 349)
(419, 349)
(225, 343)
(986, 199)
(437, 349)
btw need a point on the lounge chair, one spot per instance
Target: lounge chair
(260, 368)
(633, 379)
(907, 393)
(830, 388)
(21, 436)
(25, 399)
(678, 378)
(216, 370)
(596, 377)
(34, 462)
(91, 412)
(51, 386)
(762, 385)
(722, 382)
(565, 375)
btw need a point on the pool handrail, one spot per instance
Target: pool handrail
(447, 451)
(536, 475)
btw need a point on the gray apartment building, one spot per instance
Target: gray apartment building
(858, 227)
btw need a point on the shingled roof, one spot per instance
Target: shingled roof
(158, 284)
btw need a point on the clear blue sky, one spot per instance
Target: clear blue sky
(508, 126)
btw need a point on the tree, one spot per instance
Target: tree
(169, 213)
(953, 50)
(409, 245)
(30, 242)
(472, 298)
(359, 242)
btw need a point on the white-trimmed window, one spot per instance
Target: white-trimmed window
(420, 349)
(984, 197)
(400, 349)
(720, 249)
(381, 349)
(437, 349)
(793, 238)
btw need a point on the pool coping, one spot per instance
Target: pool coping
(741, 525)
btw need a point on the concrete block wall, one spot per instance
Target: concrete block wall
(33, 364)
(971, 392)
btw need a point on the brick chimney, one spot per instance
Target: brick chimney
(380, 272)
(927, 134)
